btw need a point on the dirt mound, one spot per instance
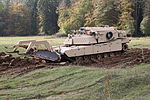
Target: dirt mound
(10, 65)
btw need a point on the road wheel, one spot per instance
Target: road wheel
(99, 57)
(124, 47)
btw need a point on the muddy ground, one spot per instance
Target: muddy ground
(10, 65)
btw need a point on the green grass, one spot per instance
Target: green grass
(10, 41)
(79, 83)
(140, 42)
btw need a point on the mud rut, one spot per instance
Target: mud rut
(10, 65)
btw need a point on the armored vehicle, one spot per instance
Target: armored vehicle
(85, 42)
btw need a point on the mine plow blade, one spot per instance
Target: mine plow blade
(47, 55)
(32, 49)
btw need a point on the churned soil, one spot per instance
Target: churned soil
(129, 58)
(10, 65)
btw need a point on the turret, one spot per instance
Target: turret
(94, 35)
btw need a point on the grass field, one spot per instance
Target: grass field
(140, 42)
(9, 41)
(78, 82)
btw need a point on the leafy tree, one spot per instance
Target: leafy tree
(32, 4)
(28, 17)
(89, 16)
(48, 16)
(6, 18)
(65, 4)
(107, 13)
(74, 17)
(20, 21)
(1, 6)
(146, 21)
(138, 15)
(145, 26)
(126, 20)
(64, 15)
(147, 8)
(2, 23)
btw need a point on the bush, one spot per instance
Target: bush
(60, 34)
(131, 28)
(145, 26)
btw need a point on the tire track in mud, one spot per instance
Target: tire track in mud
(45, 82)
(64, 93)
(57, 85)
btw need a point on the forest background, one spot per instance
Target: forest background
(31, 17)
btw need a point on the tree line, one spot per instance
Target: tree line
(30, 17)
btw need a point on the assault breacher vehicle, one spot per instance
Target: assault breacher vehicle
(87, 41)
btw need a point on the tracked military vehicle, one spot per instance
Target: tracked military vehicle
(85, 42)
